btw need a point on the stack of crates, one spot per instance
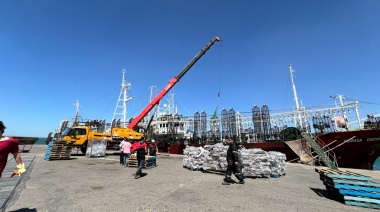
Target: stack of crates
(58, 150)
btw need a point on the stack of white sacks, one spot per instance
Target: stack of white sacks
(193, 157)
(96, 148)
(253, 162)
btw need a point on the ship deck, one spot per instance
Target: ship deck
(101, 184)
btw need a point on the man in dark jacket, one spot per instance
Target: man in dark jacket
(153, 149)
(233, 163)
(140, 149)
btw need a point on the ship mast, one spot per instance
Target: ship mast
(151, 97)
(171, 105)
(298, 114)
(122, 101)
(293, 86)
(77, 116)
(344, 112)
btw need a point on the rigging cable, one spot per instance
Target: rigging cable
(371, 103)
(220, 68)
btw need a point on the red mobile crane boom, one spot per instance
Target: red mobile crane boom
(171, 83)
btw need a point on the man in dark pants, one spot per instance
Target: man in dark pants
(153, 149)
(140, 149)
(233, 163)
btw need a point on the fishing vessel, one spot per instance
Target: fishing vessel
(346, 145)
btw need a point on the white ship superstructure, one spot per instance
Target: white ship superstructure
(169, 125)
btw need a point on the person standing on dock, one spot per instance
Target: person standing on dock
(140, 149)
(233, 163)
(9, 145)
(121, 151)
(126, 149)
(153, 149)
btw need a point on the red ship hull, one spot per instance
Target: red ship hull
(362, 151)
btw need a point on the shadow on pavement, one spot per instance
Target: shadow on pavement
(324, 193)
(25, 210)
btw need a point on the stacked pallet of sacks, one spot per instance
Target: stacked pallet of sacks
(259, 163)
(254, 162)
(193, 159)
(215, 157)
(96, 148)
(277, 163)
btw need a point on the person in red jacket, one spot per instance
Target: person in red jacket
(140, 149)
(153, 149)
(9, 145)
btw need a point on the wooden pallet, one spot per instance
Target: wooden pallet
(224, 172)
(214, 172)
(58, 150)
(351, 188)
(148, 164)
(192, 169)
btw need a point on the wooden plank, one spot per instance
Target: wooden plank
(363, 204)
(59, 156)
(214, 171)
(146, 165)
(61, 146)
(356, 188)
(63, 150)
(326, 171)
(360, 183)
(359, 193)
(53, 155)
(351, 177)
(362, 199)
(353, 173)
(192, 169)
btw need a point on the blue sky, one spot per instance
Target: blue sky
(55, 52)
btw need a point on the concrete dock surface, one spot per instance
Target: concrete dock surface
(102, 184)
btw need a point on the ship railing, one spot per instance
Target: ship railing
(324, 153)
(330, 150)
(313, 152)
(326, 149)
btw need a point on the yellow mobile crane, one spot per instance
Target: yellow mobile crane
(79, 134)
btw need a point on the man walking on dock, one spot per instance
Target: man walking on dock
(233, 163)
(140, 149)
